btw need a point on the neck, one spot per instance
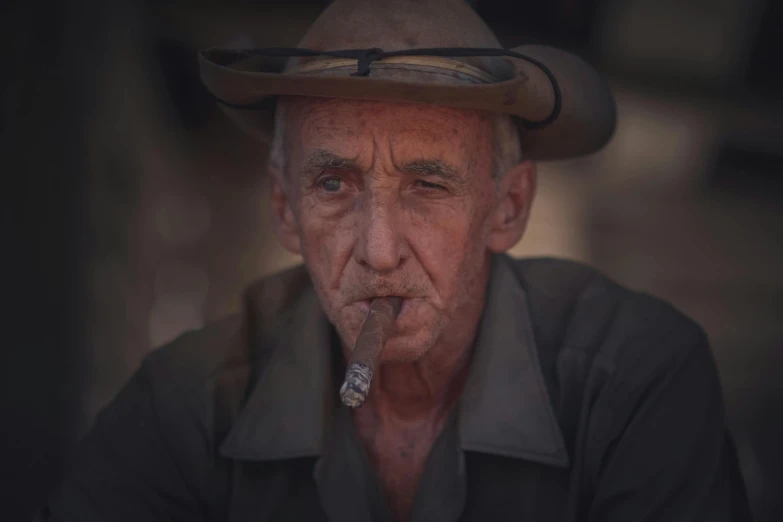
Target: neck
(418, 391)
(405, 412)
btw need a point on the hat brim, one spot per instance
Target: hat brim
(246, 85)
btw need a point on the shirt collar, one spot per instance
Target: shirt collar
(504, 410)
(287, 412)
(505, 407)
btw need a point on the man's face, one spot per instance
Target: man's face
(392, 199)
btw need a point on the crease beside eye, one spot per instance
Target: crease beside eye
(428, 184)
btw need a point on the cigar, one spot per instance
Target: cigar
(367, 352)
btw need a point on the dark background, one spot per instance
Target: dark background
(133, 210)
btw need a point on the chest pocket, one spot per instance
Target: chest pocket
(502, 488)
(275, 491)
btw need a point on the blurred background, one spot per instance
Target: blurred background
(134, 210)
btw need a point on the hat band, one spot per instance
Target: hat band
(456, 68)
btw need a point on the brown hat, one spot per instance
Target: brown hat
(421, 51)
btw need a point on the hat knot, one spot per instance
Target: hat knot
(366, 57)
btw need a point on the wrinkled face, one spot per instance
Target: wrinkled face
(393, 199)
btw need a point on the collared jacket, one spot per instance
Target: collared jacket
(584, 401)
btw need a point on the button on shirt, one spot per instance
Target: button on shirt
(584, 402)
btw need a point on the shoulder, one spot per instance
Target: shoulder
(209, 371)
(190, 360)
(594, 322)
(197, 355)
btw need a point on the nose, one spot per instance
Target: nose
(380, 246)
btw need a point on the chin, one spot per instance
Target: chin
(414, 335)
(407, 349)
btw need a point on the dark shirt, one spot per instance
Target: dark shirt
(584, 402)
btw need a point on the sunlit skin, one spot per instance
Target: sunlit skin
(393, 199)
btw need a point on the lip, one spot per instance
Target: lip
(406, 303)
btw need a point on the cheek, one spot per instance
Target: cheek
(449, 241)
(326, 243)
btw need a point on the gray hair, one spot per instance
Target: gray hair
(506, 148)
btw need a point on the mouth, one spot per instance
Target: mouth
(406, 304)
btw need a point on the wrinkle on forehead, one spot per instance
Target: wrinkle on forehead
(348, 127)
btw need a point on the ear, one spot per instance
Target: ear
(516, 192)
(283, 219)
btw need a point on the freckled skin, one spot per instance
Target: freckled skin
(386, 232)
(373, 225)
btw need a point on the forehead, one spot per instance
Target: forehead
(350, 126)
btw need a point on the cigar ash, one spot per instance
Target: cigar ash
(366, 355)
(356, 387)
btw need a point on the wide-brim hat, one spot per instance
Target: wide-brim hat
(427, 52)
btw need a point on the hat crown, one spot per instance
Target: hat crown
(398, 24)
(565, 107)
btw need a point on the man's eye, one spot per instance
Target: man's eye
(331, 184)
(428, 185)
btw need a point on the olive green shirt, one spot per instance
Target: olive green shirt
(584, 402)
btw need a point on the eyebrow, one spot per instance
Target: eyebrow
(435, 168)
(321, 159)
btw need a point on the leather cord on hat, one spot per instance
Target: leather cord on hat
(365, 57)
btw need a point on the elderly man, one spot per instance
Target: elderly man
(500, 389)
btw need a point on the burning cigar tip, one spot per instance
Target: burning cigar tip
(369, 345)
